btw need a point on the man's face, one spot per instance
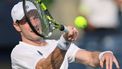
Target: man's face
(26, 31)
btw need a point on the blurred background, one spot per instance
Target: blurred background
(104, 30)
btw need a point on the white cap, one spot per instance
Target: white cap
(17, 12)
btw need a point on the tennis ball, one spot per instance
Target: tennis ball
(80, 22)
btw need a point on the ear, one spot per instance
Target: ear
(16, 26)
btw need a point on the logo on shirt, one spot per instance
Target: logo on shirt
(40, 53)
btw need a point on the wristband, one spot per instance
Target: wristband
(63, 44)
(102, 53)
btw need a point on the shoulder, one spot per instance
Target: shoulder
(20, 51)
(71, 52)
(23, 51)
(24, 56)
(73, 48)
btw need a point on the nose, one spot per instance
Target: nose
(35, 21)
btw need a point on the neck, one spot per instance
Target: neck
(40, 42)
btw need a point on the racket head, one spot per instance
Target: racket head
(45, 26)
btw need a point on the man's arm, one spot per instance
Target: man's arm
(94, 59)
(66, 39)
(87, 58)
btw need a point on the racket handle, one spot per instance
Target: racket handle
(63, 28)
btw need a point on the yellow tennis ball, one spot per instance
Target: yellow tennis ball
(80, 22)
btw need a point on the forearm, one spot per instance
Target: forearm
(95, 62)
(88, 58)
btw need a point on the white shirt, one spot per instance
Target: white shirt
(26, 56)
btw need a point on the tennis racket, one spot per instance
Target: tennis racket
(48, 23)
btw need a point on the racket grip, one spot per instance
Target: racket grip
(63, 28)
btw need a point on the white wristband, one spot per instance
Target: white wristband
(63, 44)
(102, 53)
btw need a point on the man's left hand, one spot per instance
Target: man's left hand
(109, 59)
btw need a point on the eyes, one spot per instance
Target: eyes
(24, 20)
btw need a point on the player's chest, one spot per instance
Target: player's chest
(53, 61)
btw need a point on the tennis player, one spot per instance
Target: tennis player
(34, 52)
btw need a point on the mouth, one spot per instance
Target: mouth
(36, 28)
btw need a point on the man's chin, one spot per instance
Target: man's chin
(35, 33)
(37, 38)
